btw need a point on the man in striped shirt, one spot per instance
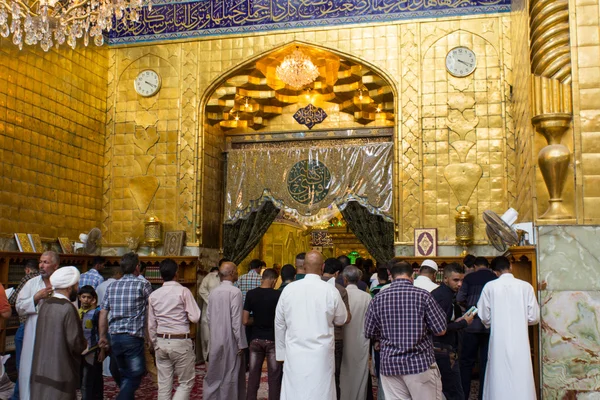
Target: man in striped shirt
(403, 318)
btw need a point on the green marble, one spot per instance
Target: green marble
(569, 257)
(570, 332)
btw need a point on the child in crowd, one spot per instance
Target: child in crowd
(92, 385)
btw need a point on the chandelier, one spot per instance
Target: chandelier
(54, 22)
(296, 70)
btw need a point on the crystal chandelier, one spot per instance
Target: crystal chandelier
(296, 70)
(54, 22)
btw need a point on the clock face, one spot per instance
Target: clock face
(147, 83)
(461, 61)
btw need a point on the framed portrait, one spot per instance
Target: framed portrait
(425, 242)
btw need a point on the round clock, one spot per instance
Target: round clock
(461, 61)
(147, 83)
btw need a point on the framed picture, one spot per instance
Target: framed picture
(174, 242)
(425, 242)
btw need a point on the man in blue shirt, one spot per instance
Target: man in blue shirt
(127, 301)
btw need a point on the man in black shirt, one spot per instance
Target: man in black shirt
(476, 337)
(446, 347)
(259, 312)
(288, 274)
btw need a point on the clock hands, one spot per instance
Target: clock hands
(151, 84)
(459, 60)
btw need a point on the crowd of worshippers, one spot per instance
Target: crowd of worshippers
(319, 325)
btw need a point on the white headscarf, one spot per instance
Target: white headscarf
(64, 277)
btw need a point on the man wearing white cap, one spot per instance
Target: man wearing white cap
(426, 278)
(55, 373)
(31, 297)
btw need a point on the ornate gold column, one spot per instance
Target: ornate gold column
(551, 96)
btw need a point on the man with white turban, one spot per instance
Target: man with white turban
(30, 298)
(55, 373)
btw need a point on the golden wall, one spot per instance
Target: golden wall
(525, 150)
(160, 162)
(280, 244)
(585, 58)
(52, 133)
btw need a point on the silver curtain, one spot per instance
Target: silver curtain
(306, 181)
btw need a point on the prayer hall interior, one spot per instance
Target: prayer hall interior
(192, 133)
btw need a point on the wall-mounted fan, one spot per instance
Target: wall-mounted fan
(90, 243)
(499, 229)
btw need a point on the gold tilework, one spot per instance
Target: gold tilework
(52, 122)
(585, 54)
(395, 50)
(526, 155)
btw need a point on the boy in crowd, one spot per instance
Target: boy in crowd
(92, 385)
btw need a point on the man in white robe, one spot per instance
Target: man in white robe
(209, 282)
(28, 303)
(508, 306)
(304, 319)
(354, 376)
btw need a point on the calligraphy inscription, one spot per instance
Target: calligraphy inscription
(174, 20)
(308, 181)
(310, 116)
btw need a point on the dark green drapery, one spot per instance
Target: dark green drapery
(242, 236)
(376, 234)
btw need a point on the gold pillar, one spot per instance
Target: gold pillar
(551, 96)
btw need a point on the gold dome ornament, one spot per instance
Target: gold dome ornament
(152, 233)
(464, 228)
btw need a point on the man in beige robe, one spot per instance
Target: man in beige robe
(55, 372)
(354, 374)
(208, 284)
(225, 378)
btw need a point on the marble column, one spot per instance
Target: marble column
(569, 280)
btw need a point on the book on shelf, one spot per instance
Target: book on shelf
(65, 245)
(24, 243)
(36, 242)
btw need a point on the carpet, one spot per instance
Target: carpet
(148, 389)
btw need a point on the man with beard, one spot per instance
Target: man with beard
(55, 373)
(31, 297)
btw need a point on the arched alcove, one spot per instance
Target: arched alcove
(251, 104)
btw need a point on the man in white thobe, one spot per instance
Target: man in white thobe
(210, 281)
(354, 376)
(426, 278)
(28, 303)
(508, 306)
(306, 313)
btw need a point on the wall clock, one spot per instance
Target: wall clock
(461, 61)
(147, 83)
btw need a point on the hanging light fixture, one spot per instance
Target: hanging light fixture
(54, 22)
(296, 70)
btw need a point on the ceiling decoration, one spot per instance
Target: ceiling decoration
(254, 95)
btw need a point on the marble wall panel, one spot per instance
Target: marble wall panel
(569, 257)
(570, 345)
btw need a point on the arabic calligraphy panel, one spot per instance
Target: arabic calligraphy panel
(177, 20)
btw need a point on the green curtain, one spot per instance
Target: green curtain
(241, 237)
(376, 234)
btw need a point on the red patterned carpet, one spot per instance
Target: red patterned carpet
(148, 389)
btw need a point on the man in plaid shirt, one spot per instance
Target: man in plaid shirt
(93, 277)
(127, 300)
(403, 318)
(251, 280)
